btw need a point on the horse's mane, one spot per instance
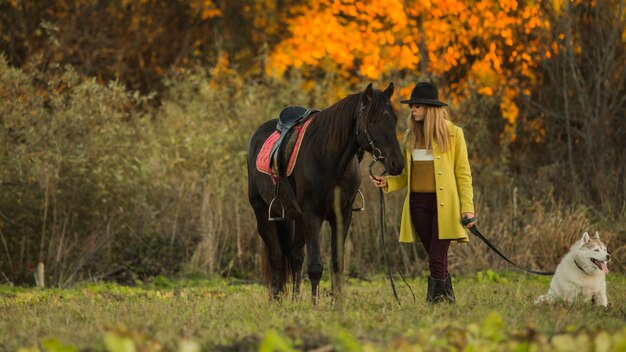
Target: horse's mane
(335, 124)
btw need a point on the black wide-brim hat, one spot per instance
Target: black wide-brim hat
(424, 93)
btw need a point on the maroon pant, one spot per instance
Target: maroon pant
(423, 208)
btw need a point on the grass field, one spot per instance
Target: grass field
(494, 312)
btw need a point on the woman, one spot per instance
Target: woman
(439, 180)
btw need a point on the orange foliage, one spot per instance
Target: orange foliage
(205, 9)
(485, 45)
(345, 32)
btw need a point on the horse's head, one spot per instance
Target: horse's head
(376, 128)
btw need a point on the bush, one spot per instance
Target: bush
(99, 182)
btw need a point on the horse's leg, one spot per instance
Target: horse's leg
(336, 250)
(337, 246)
(274, 258)
(311, 226)
(285, 236)
(297, 259)
(275, 271)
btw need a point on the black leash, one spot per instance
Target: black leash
(382, 237)
(477, 233)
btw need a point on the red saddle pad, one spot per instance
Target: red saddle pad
(263, 159)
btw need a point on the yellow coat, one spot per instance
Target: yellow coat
(453, 180)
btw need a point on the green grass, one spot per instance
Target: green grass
(494, 311)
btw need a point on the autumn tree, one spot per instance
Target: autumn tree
(139, 42)
(580, 102)
(135, 42)
(487, 46)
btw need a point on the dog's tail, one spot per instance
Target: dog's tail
(540, 299)
(547, 298)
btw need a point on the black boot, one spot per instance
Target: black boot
(449, 291)
(436, 291)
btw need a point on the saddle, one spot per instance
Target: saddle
(292, 119)
(288, 118)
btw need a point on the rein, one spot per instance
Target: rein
(378, 157)
(382, 237)
(477, 233)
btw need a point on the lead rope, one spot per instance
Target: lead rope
(382, 228)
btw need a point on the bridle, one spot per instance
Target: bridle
(377, 154)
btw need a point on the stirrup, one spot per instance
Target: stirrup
(362, 208)
(269, 211)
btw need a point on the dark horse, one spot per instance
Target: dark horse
(327, 160)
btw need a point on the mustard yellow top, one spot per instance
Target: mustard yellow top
(422, 170)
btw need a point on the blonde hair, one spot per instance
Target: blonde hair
(434, 126)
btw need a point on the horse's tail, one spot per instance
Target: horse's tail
(285, 239)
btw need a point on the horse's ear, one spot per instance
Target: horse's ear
(389, 90)
(368, 94)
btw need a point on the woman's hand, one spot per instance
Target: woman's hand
(469, 216)
(378, 181)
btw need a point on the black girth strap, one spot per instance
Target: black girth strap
(477, 233)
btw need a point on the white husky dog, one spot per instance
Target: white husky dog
(581, 273)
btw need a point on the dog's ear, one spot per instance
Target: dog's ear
(585, 238)
(596, 236)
